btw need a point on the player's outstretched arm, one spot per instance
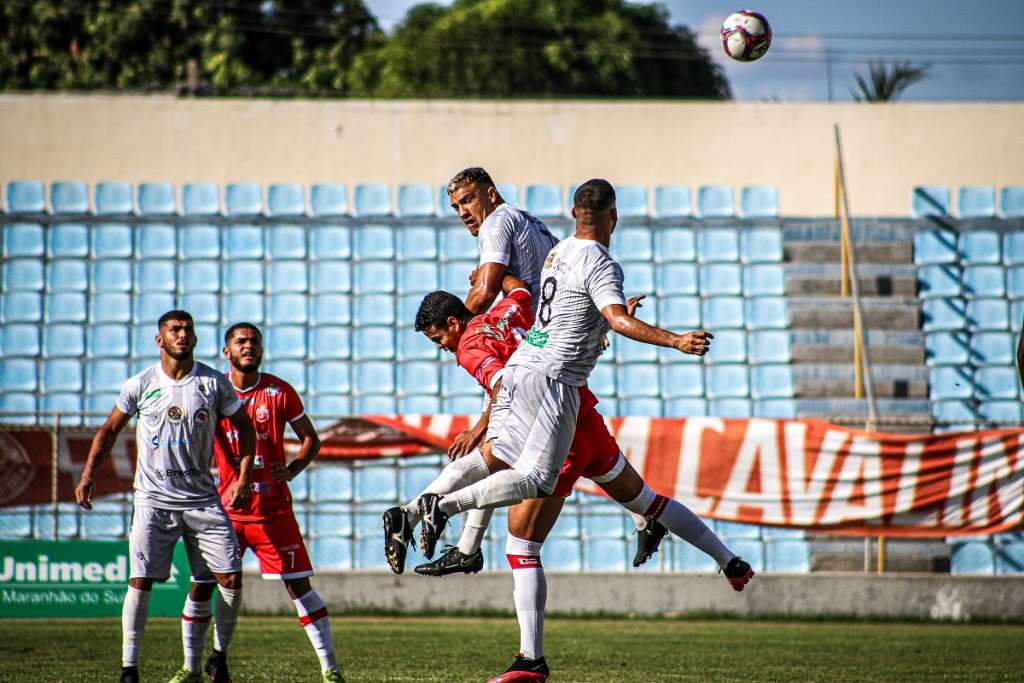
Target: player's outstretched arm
(511, 282)
(102, 443)
(695, 343)
(485, 285)
(310, 446)
(242, 423)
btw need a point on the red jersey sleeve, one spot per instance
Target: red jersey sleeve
(293, 408)
(522, 302)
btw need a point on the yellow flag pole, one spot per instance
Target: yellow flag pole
(844, 247)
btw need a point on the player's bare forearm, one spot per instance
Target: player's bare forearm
(101, 446)
(695, 343)
(486, 285)
(246, 444)
(308, 449)
(511, 282)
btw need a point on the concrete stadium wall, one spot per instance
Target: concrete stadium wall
(889, 148)
(903, 596)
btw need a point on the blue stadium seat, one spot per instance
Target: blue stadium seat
(286, 341)
(984, 281)
(633, 243)
(935, 247)
(727, 381)
(415, 199)
(771, 381)
(720, 279)
(444, 202)
(105, 375)
(672, 201)
(286, 309)
(718, 245)
(413, 345)
(287, 241)
(374, 309)
(243, 241)
(997, 382)
(715, 201)
(328, 199)
(602, 379)
(24, 275)
(761, 245)
(204, 276)
(759, 201)
(751, 550)
(66, 341)
(766, 313)
(199, 241)
(544, 200)
(946, 348)
(156, 240)
(627, 350)
(111, 240)
(605, 554)
(678, 312)
(143, 338)
(728, 346)
(976, 202)
(67, 240)
(242, 307)
(200, 199)
(291, 371)
(776, 408)
(682, 380)
(286, 199)
(374, 377)
(375, 483)
(331, 309)
(944, 314)
(1016, 315)
(939, 281)
(331, 276)
(674, 245)
(112, 198)
(764, 279)
(954, 412)
(790, 556)
(639, 278)
(457, 382)
(731, 407)
(768, 346)
(110, 307)
(637, 380)
(209, 345)
(61, 307)
(69, 196)
(23, 239)
(1011, 202)
(631, 201)
(455, 276)
(419, 377)
(25, 196)
(22, 307)
(111, 275)
(375, 242)
(980, 247)
(930, 200)
(987, 314)
(330, 343)
(461, 405)
(375, 277)
(972, 557)
(1001, 413)
(156, 199)
(950, 382)
(23, 403)
(204, 307)
(19, 340)
(372, 200)
(676, 278)
(508, 192)
(108, 341)
(722, 312)
(286, 276)
(419, 404)
(737, 530)
(18, 374)
(1015, 282)
(685, 407)
(417, 242)
(332, 482)
(64, 403)
(330, 377)
(992, 348)
(1010, 557)
(331, 242)
(373, 343)
(457, 243)
(687, 558)
(417, 277)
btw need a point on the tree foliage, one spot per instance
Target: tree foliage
(885, 82)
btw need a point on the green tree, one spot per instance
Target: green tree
(886, 82)
(538, 48)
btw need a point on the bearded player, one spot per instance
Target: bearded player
(267, 524)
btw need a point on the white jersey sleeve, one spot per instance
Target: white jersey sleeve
(128, 400)
(227, 398)
(605, 286)
(496, 238)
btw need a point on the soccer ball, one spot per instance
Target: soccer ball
(746, 35)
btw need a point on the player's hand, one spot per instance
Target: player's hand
(464, 443)
(695, 343)
(240, 495)
(280, 472)
(633, 304)
(83, 493)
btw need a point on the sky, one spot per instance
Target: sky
(975, 47)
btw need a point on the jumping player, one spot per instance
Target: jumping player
(178, 402)
(267, 524)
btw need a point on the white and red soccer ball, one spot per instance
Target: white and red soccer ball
(746, 35)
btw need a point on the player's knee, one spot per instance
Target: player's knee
(231, 581)
(201, 592)
(141, 584)
(297, 587)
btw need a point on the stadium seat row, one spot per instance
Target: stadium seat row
(972, 202)
(410, 200)
(942, 314)
(961, 348)
(968, 247)
(970, 281)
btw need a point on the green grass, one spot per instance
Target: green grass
(453, 650)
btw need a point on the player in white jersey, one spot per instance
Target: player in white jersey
(533, 421)
(178, 403)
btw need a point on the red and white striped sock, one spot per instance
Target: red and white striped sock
(531, 594)
(195, 621)
(313, 617)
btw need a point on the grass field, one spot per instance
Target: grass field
(453, 650)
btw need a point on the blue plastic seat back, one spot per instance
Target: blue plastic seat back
(984, 281)
(23, 239)
(769, 346)
(672, 201)
(939, 281)
(729, 346)
(69, 196)
(156, 199)
(992, 348)
(242, 199)
(372, 200)
(722, 312)
(944, 314)
(200, 199)
(718, 245)
(631, 201)
(766, 313)
(721, 279)
(112, 198)
(761, 245)
(972, 557)
(508, 192)
(26, 196)
(946, 348)
(415, 199)
(950, 382)
(987, 314)
(759, 201)
(714, 201)
(1011, 202)
(764, 279)
(934, 246)
(771, 381)
(544, 200)
(976, 202)
(727, 381)
(286, 199)
(328, 199)
(929, 200)
(997, 382)
(980, 247)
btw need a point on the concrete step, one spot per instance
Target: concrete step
(886, 346)
(813, 380)
(829, 252)
(864, 230)
(880, 313)
(899, 415)
(873, 279)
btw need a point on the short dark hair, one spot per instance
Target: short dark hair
(596, 196)
(176, 314)
(473, 174)
(437, 307)
(242, 325)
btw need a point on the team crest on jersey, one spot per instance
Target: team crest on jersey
(262, 414)
(550, 259)
(174, 414)
(272, 391)
(202, 416)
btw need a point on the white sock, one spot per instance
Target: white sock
(639, 520)
(313, 617)
(681, 521)
(531, 594)
(473, 530)
(458, 473)
(133, 623)
(229, 604)
(195, 621)
(501, 489)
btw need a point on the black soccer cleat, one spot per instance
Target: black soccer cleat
(397, 536)
(129, 674)
(648, 540)
(433, 523)
(216, 667)
(453, 561)
(738, 572)
(523, 669)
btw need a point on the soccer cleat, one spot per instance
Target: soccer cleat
(333, 676)
(433, 523)
(648, 540)
(523, 669)
(216, 667)
(397, 536)
(738, 572)
(453, 561)
(186, 676)
(129, 674)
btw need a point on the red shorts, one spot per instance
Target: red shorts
(594, 451)
(278, 546)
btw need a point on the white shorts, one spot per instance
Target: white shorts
(533, 422)
(210, 541)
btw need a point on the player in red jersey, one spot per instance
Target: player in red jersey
(267, 524)
(482, 345)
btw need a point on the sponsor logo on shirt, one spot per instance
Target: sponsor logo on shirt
(257, 462)
(262, 414)
(174, 414)
(272, 391)
(537, 338)
(263, 436)
(151, 394)
(202, 416)
(173, 473)
(157, 442)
